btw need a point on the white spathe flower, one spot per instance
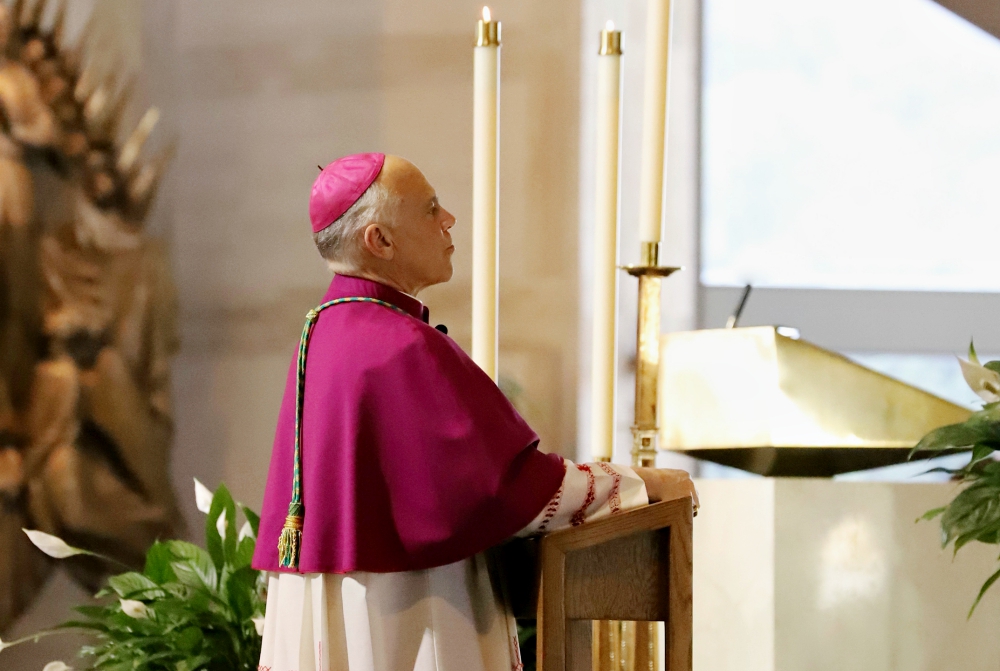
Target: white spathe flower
(57, 666)
(202, 496)
(982, 380)
(220, 525)
(53, 546)
(246, 531)
(136, 609)
(258, 623)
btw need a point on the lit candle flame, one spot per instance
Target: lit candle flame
(610, 26)
(486, 14)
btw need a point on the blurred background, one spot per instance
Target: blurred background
(843, 159)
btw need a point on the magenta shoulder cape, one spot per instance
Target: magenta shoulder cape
(411, 456)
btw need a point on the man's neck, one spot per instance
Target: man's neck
(381, 278)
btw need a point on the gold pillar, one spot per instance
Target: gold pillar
(647, 358)
(647, 364)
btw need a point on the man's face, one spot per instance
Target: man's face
(420, 230)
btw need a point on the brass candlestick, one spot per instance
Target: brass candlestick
(647, 359)
(633, 646)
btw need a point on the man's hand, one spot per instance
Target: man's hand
(667, 484)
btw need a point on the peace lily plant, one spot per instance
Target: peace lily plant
(974, 514)
(190, 609)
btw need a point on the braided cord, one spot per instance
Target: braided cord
(290, 540)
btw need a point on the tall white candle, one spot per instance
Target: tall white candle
(603, 351)
(485, 187)
(654, 120)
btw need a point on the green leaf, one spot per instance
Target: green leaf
(931, 514)
(189, 639)
(244, 553)
(134, 585)
(972, 353)
(993, 366)
(189, 552)
(197, 662)
(980, 452)
(83, 624)
(986, 585)
(194, 577)
(95, 612)
(982, 428)
(221, 549)
(253, 518)
(193, 566)
(158, 560)
(240, 589)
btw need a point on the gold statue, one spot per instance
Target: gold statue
(87, 318)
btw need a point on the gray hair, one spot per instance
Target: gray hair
(339, 240)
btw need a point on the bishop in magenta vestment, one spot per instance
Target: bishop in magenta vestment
(396, 463)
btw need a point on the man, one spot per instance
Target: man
(397, 461)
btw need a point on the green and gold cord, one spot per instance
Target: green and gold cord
(290, 540)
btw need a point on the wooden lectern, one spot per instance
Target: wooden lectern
(635, 566)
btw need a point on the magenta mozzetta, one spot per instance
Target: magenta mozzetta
(411, 456)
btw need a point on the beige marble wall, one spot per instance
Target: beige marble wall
(797, 573)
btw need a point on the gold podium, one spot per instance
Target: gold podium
(773, 404)
(636, 566)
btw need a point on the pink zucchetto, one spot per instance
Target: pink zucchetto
(339, 186)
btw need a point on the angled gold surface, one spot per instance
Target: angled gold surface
(757, 400)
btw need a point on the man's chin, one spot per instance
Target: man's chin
(443, 277)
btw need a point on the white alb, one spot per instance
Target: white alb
(441, 619)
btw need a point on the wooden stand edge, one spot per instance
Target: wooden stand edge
(635, 566)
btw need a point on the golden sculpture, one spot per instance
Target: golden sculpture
(87, 317)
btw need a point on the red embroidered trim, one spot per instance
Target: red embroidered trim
(614, 498)
(516, 663)
(580, 515)
(551, 509)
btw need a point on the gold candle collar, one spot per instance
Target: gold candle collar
(611, 43)
(487, 33)
(650, 254)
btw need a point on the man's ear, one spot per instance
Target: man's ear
(379, 242)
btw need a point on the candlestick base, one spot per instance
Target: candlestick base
(644, 443)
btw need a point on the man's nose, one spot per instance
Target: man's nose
(449, 219)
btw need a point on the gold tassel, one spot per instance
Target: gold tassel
(290, 540)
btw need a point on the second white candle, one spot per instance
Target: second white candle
(485, 250)
(604, 346)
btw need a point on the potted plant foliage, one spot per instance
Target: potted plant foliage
(190, 609)
(974, 513)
